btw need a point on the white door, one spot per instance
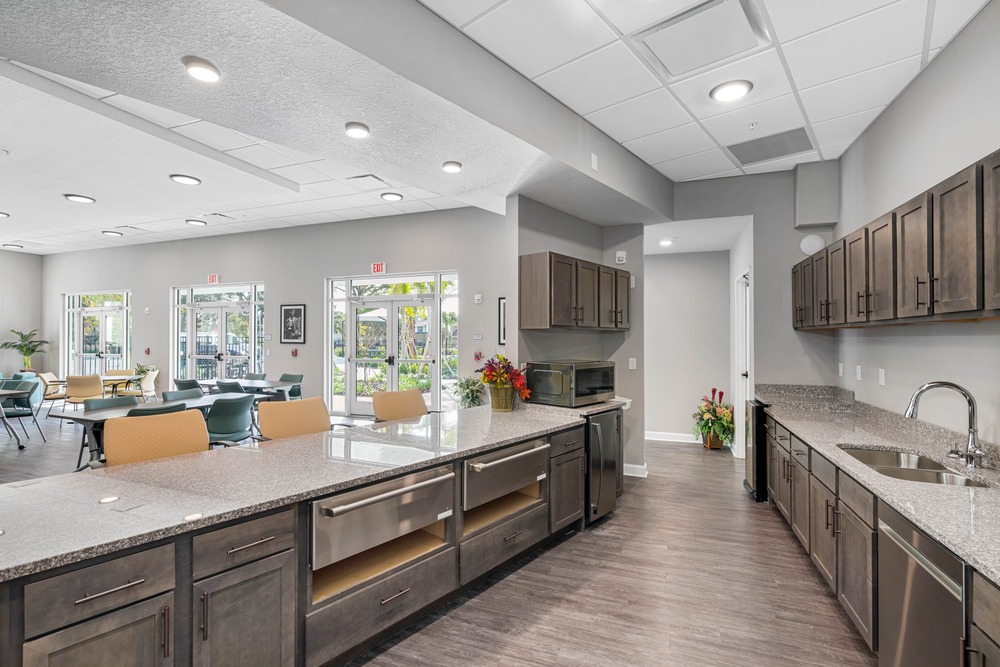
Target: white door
(102, 341)
(743, 369)
(222, 343)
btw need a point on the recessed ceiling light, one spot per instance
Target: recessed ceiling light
(452, 167)
(111, 232)
(201, 69)
(731, 91)
(4, 214)
(666, 242)
(196, 222)
(80, 199)
(184, 179)
(357, 130)
(13, 246)
(392, 196)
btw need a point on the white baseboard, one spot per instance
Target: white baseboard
(632, 470)
(662, 436)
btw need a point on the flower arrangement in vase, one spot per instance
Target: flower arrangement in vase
(713, 421)
(503, 378)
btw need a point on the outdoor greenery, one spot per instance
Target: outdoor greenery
(713, 417)
(26, 344)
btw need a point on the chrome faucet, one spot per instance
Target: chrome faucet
(973, 454)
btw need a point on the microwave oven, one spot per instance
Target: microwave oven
(571, 383)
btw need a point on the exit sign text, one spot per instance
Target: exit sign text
(213, 279)
(378, 267)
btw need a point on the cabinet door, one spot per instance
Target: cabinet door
(836, 284)
(623, 298)
(991, 230)
(856, 271)
(797, 296)
(773, 469)
(586, 294)
(247, 615)
(562, 286)
(958, 244)
(982, 651)
(855, 541)
(913, 265)
(798, 506)
(566, 489)
(784, 496)
(822, 539)
(820, 280)
(140, 634)
(881, 296)
(607, 315)
(807, 292)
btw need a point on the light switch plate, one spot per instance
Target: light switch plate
(632, 363)
(479, 298)
(593, 161)
(477, 336)
(881, 377)
(840, 369)
(620, 257)
(858, 371)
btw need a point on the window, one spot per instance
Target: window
(218, 331)
(98, 333)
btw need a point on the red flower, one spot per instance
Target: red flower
(720, 397)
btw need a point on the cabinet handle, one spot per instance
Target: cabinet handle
(166, 632)
(204, 617)
(868, 303)
(130, 584)
(350, 507)
(861, 308)
(581, 314)
(781, 437)
(837, 530)
(790, 470)
(479, 467)
(510, 537)
(964, 647)
(389, 599)
(249, 546)
(826, 514)
(935, 284)
(916, 293)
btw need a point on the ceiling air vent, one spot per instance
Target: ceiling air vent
(778, 145)
(367, 182)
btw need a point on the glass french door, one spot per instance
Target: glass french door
(222, 343)
(101, 341)
(393, 348)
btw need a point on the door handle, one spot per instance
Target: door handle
(390, 360)
(745, 374)
(600, 477)
(218, 357)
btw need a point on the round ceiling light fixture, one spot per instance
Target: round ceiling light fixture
(13, 246)
(730, 91)
(452, 167)
(80, 199)
(201, 69)
(392, 196)
(111, 232)
(666, 242)
(184, 179)
(196, 222)
(812, 244)
(4, 214)
(357, 130)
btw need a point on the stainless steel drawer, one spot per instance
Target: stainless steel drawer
(228, 547)
(496, 474)
(482, 553)
(566, 441)
(336, 628)
(352, 522)
(68, 598)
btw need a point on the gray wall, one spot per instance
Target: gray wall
(20, 307)
(687, 349)
(944, 121)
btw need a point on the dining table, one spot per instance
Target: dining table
(113, 381)
(12, 393)
(252, 385)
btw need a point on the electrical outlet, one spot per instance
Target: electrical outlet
(858, 372)
(840, 369)
(632, 363)
(881, 377)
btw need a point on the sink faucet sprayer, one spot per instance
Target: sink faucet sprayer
(973, 454)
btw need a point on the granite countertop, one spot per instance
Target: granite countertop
(966, 520)
(54, 521)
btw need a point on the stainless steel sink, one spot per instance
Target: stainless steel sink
(882, 458)
(931, 476)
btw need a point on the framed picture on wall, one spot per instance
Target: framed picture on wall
(293, 323)
(502, 320)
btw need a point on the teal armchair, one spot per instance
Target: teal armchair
(229, 418)
(22, 407)
(295, 393)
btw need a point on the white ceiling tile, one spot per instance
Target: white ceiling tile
(764, 70)
(867, 90)
(335, 169)
(297, 155)
(835, 152)
(442, 203)
(950, 16)
(877, 38)
(151, 112)
(381, 210)
(418, 193)
(722, 174)
(356, 214)
(781, 164)
(261, 156)
(791, 19)
(533, 36)
(671, 144)
(328, 204)
(773, 116)
(459, 12)
(693, 166)
(844, 130)
(932, 54)
(326, 216)
(640, 116)
(413, 206)
(300, 207)
(631, 15)
(720, 31)
(331, 188)
(602, 78)
(217, 137)
(300, 173)
(85, 88)
(359, 200)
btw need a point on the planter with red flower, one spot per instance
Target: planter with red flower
(502, 379)
(713, 421)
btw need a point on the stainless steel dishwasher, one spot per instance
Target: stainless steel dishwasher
(920, 606)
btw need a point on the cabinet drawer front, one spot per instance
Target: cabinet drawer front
(75, 596)
(567, 441)
(858, 499)
(770, 425)
(824, 471)
(334, 629)
(484, 552)
(352, 522)
(782, 436)
(985, 605)
(800, 452)
(222, 549)
(566, 489)
(496, 474)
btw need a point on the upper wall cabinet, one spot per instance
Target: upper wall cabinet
(803, 293)
(836, 301)
(913, 258)
(821, 286)
(557, 291)
(880, 300)
(856, 274)
(957, 256)
(991, 230)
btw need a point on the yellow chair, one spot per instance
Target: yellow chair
(113, 386)
(80, 388)
(284, 419)
(146, 390)
(132, 439)
(53, 389)
(390, 405)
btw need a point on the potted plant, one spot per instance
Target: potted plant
(502, 378)
(26, 344)
(713, 421)
(469, 391)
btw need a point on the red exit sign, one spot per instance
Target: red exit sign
(213, 279)
(378, 267)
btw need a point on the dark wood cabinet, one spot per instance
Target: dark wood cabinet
(880, 299)
(836, 312)
(247, 615)
(856, 556)
(856, 272)
(623, 303)
(991, 231)
(607, 317)
(822, 536)
(562, 291)
(821, 288)
(957, 253)
(984, 631)
(913, 258)
(567, 474)
(586, 293)
(981, 650)
(797, 296)
(773, 468)
(557, 291)
(802, 294)
(798, 500)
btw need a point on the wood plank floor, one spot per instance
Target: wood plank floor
(688, 572)
(39, 459)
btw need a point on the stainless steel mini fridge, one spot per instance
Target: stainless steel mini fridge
(604, 461)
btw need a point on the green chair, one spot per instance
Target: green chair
(295, 393)
(230, 387)
(256, 376)
(229, 418)
(21, 406)
(102, 404)
(157, 410)
(39, 390)
(183, 394)
(186, 384)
